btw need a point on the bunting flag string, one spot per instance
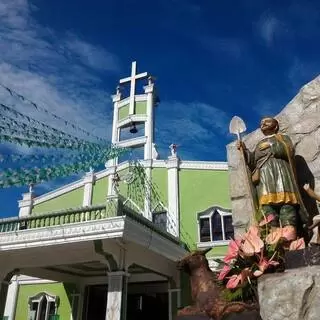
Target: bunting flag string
(48, 158)
(11, 130)
(40, 108)
(10, 122)
(69, 154)
(24, 176)
(44, 144)
(43, 140)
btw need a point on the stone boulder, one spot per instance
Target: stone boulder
(291, 295)
(300, 119)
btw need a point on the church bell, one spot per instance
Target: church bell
(133, 128)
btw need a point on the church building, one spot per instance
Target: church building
(105, 247)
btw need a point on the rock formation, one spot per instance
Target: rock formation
(292, 295)
(300, 119)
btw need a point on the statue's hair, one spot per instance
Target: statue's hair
(274, 119)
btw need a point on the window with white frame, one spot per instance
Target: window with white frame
(43, 306)
(215, 225)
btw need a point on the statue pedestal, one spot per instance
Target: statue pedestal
(291, 295)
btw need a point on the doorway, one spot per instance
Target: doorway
(96, 302)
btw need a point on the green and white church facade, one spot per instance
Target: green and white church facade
(105, 247)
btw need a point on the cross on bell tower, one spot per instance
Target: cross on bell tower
(132, 80)
(132, 110)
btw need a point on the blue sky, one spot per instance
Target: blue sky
(211, 59)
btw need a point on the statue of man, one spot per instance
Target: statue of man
(272, 167)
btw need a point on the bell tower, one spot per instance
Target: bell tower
(131, 111)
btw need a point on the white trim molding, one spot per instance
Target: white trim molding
(137, 98)
(199, 165)
(212, 244)
(109, 228)
(130, 119)
(139, 141)
(204, 165)
(61, 234)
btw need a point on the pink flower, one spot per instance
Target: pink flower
(234, 281)
(289, 233)
(297, 244)
(267, 220)
(225, 270)
(252, 243)
(238, 279)
(264, 264)
(233, 251)
(274, 236)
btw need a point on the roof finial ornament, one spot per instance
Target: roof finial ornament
(173, 148)
(31, 188)
(150, 80)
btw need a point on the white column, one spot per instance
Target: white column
(115, 99)
(173, 196)
(26, 204)
(147, 199)
(117, 295)
(12, 296)
(4, 286)
(112, 163)
(88, 188)
(149, 89)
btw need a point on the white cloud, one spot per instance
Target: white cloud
(268, 27)
(93, 56)
(196, 125)
(59, 73)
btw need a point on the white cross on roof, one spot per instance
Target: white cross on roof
(132, 79)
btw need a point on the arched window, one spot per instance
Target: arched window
(43, 306)
(215, 226)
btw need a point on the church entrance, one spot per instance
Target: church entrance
(144, 301)
(96, 302)
(148, 300)
(147, 306)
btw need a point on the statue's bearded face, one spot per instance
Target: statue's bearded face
(269, 126)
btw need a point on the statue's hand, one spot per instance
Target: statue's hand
(264, 145)
(241, 145)
(306, 186)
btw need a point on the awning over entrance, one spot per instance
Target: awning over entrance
(84, 248)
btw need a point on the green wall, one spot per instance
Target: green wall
(199, 190)
(99, 193)
(160, 182)
(123, 187)
(141, 107)
(57, 289)
(124, 112)
(72, 199)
